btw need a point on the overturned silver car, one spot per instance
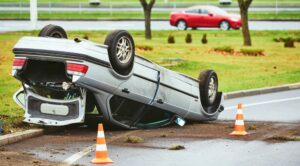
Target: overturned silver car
(63, 80)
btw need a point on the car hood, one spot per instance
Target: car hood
(230, 15)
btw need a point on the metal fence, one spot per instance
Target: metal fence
(135, 6)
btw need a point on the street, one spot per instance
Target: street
(207, 143)
(9, 25)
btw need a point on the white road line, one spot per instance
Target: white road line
(72, 159)
(265, 102)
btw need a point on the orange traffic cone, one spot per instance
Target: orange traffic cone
(239, 127)
(101, 149)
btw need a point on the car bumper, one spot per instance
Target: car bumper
(235, 25)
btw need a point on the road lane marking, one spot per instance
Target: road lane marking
(70, 160)
(75, 157)
(265, 102)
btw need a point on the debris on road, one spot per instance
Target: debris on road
(134, 139)
(176, 147)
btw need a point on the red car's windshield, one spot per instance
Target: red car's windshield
(218, 10)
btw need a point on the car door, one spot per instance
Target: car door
(193, 18)
(174, 94)
(205, 18)
(141, 86)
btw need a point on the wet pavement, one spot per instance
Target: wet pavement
(10, 25)
(205, 143)
(276, 107)
(155, 151)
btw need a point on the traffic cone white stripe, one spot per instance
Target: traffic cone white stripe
(101, 147)
(239, 122)
(100, 134)
(239, 111)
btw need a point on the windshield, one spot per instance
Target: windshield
(218, 10)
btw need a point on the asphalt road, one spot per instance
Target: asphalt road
(276, 107)
(9, 25)
(77, 146)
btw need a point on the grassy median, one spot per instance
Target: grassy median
(236, 72)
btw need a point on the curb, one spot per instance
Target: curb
(252, 92)
(19, 136)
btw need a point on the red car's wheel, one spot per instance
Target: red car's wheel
(181, 25)
(224, 25)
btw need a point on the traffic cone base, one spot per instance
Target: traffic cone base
(239, 133)
(102, 161)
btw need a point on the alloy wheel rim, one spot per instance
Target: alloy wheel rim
(212, 90)
(181, 25)
(224, 25)
(124, 50)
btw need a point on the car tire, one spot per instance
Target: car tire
(53, 31)
(121, 51)
(181, 25)
(224, 25)
(208, 85)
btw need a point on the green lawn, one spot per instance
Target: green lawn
(132, 15)
(279, 66)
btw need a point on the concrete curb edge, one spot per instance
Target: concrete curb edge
(259, 91)
(19, 136)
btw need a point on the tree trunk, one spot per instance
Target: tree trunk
(147, 7)
(147, 13)
(244, 6)
(245, 27)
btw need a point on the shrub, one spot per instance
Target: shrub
(171, 39)
(204, 39)
(86, 37)
(252, 52)
(226, 49)
(276, 40)
(289, 43)
(188, 38)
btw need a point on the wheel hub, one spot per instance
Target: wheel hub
(124, 50)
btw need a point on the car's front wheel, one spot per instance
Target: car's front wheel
(121, 51)
(53, 31)
(208, 82)
(224, 25)
(181, 25)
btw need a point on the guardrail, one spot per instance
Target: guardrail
(111, 7)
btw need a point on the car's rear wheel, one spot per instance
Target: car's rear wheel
(208, 82)
(224, 25)
(53, 31)
(181, 25)
(121, 51)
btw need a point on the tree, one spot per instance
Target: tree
(244, 6)
(147, 7)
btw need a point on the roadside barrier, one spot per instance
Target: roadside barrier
(239, 127)
(101, 149)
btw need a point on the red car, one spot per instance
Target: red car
(205, 16)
